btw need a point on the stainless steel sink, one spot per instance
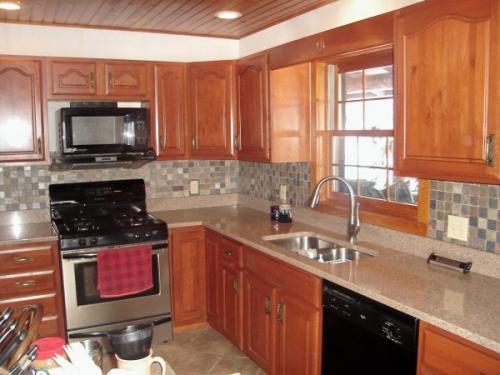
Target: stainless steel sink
(319, 249)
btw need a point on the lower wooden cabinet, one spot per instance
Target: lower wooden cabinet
(442, 353)
(30, 274)
(187, 262)
(231, 304)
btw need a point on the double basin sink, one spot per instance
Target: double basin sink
(319, 249)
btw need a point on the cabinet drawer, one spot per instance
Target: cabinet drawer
(17, 285)
(49, 326)
(48, 301)
(443, 353)
(231, 252)
(302, 284)
(20, 259)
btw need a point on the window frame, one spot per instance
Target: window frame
(395, 215)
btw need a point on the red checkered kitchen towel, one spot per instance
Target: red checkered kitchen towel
(123, 272)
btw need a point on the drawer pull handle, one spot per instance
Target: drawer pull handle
(281, 313)
(23, 259)
(91, 80)
(228, 252)
(110, 81)
(25, 284)
(236, 286)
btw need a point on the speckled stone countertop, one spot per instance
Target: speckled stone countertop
(465, 304)
(29, 232)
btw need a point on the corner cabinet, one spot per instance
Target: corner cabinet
(211, 107)
(447, 60)
(170, 100)
(21, 113)
(253, 108)
(443, 353)
(187, 266)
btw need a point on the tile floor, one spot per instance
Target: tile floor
(202, 352)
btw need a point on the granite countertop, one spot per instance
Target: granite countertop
(465, 304)
(31, 232)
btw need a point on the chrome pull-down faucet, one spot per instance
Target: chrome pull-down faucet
(353, 222)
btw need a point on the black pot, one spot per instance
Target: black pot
(132, 342)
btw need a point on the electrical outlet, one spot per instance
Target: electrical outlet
(283, 193)
(194, 188)
(458, 227)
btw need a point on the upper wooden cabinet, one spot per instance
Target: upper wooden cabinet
(440, 352)
(21, 113)
(94, 79)
(211, 109)
(73, 77)
(170, 95)
(447, 90)
(253, 108)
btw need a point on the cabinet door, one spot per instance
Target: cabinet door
(211, 109)
(213, 280)
(125, 79)
(253, 109)
(259, 316)
(298, 337)
(188, 276)
(231, 304)
(21, 122)
(446, 64)
(170, 100)
(73, 77)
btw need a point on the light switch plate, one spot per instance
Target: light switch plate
(458, 227)
(194, 188)
(283, 193)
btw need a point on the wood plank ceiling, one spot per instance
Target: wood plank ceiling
(192, 17)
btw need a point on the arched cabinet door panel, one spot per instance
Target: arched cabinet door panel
(21, 122)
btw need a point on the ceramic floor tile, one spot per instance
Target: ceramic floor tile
(230, 365)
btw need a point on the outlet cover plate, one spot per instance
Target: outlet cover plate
(283, 193)
(194, 188)
(458, 228)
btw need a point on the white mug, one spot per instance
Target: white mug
(141, 366)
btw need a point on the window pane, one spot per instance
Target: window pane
(372, 151)
(350, 174)
(403, 189)
(379, 114)
(372, 182)
(350, 116)
(345, 151)
(378, 82)
(351, 85)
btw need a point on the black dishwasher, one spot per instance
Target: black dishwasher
(362, 336)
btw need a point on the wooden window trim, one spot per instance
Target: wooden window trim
(393, 215)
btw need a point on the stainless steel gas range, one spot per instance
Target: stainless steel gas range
(99, 216)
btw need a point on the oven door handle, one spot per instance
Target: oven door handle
(94, 255)
(84, 335)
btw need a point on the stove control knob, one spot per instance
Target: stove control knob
(147, 235)
(82, 242)
(93, 240)
(136, 236)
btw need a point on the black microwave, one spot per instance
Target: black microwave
(104, 131)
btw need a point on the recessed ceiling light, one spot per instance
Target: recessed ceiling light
(228, 14)
(10, 5)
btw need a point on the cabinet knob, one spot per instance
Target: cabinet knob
(193, 143)
(280, 313)
(228, 252)
(490, 150)
(25, 284)
(23, 259)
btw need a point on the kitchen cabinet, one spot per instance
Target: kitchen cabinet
(22, 134)
(441, 352)
(283, 305)
(88, 79)
(225, 297)
(30, 275)
(188, 289)
(447, 90)
(170, 99)
(253, 108)
(211, 109)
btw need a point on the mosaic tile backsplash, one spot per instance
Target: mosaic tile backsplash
(262, 180)
(480, 204)
(26, 187)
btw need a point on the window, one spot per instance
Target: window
(357, 138)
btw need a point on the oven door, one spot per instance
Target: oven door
(85, 308)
